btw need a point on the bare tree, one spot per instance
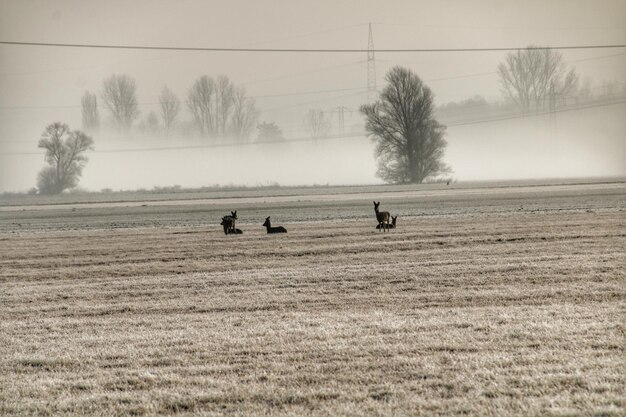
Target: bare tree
(200, 102)
(409, 141)
(120, 97)
(91, 117)
(170, 107)
(219, 108)
(536, 79)
(317, 124)
(244, 115)
(64, 155)
(224, 102)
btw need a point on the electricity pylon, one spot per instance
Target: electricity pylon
(371, 68)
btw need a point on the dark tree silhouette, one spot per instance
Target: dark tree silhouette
(91, 117)
(536, 79)
(64, 155)
(409, 141)
(120, 97)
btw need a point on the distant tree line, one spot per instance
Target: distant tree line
(533, 80)
(404, 123)
(218, 108)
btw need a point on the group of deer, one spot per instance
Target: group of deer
(383, 219)
(228, 222)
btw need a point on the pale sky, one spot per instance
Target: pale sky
(39, 85)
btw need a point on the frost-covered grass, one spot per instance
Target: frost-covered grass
(487, 308)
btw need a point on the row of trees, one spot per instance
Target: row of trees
(410, 142)
(217, 106)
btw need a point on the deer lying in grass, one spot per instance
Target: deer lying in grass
(229, 229)
(392, 225)
(382, 217)
(270, 229)
(229, 223)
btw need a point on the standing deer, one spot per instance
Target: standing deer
(229, 223)
(270, 229)
(382, 217)
(392, 225)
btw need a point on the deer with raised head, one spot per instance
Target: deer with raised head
(229, 223)
(382, 217)
(270, 229)
(392, 225)
(229, 229)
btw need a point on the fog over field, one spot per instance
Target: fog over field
(312, 208)
(514, 149)
(582, 136)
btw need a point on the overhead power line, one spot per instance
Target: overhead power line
(153, 103)
(299, 50)
(542, 113)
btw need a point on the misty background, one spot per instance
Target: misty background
(487, 140)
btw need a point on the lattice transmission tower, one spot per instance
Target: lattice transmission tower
(371, 68)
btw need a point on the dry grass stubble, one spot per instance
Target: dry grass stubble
(516, 314)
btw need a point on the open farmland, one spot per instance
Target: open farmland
(506, 300)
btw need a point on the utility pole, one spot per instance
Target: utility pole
(371, 67)
(340, 118)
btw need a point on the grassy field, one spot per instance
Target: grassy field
(496, 301)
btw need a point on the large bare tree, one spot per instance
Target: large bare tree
(120, 97)
(91, 117)
(170, 107)
(409, 141)
(536, 78)
(317, 124)
(64, 156)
